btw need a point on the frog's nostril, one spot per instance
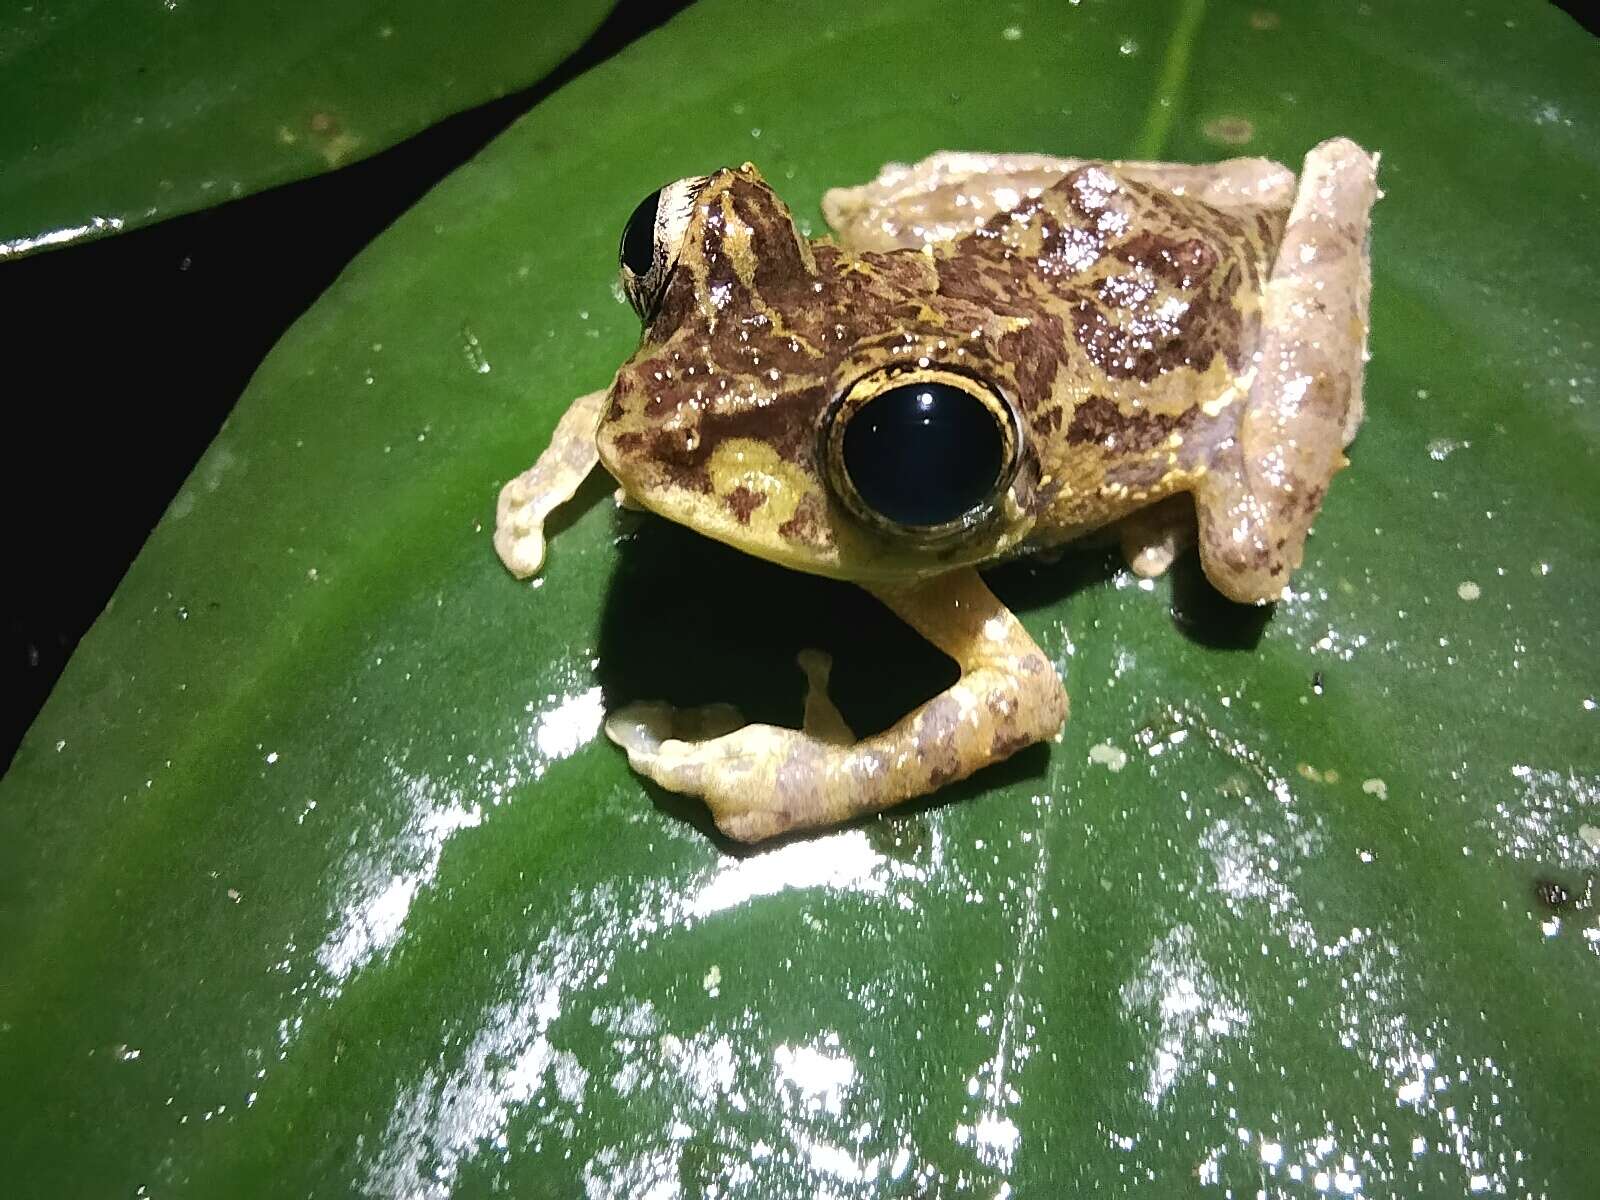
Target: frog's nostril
(924, 454)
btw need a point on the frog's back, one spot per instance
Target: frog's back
(1135, 309)
(1152, 280)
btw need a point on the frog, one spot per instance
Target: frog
(989, 356)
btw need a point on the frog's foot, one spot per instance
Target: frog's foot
(531, 497)
(1256, 504)
(762, 780)
(1152, 538)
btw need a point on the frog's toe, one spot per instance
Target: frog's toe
(1153, 538)
(528, 500)
(518, 532)
(751, 825)
(645, 727)
(757, 780)
(1152, 562)
(640, 728)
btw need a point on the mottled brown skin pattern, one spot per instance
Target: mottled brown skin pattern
(1100, 307)
(1125, 326)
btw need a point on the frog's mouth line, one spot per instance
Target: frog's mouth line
(851, 399)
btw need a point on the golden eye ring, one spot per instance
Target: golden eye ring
(919, 452)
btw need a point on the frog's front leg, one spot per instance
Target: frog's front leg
(763, 780)
(531, 497)
(1261, 493)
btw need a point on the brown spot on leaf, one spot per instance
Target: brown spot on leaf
(1230, 131)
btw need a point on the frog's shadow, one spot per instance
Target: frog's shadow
(691, 621)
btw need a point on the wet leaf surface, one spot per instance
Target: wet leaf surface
(318, 879)
(119, 115)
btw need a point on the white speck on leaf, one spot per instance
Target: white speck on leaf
(1108, 755)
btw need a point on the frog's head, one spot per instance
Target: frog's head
(827, 411)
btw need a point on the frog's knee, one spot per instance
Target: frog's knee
(1339, 148)
(1247, 570)
(751, 825)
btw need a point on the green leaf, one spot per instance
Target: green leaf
(318, 880)
(120, 115)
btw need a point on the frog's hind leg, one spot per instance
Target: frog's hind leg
(943, 196)
(1257, 502)
(531, 497)
(762, 780)
(951, 193)
(1233, 185)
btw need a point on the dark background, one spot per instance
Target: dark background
(109, 333)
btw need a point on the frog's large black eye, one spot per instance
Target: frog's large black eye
(638, 250)
(652, 240)
(924, 453)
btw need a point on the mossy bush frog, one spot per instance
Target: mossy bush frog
(993, 354)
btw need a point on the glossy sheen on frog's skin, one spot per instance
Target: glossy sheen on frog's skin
(1135, 333)
(1116, 315)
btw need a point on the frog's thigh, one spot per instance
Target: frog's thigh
(951, 192)
(531, 497)
(762, 780)
(1234, 184)
(943, 196)
(1256, 504)
(1153, 537)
